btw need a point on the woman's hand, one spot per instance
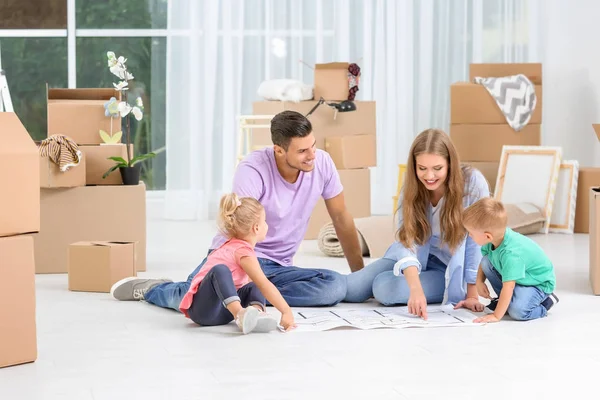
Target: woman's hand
(470, 303)
(417, 303)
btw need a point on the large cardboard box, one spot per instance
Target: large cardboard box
(489, 171)
(80, 114)
(96, 266)
(18, 341)
(594, 223)
(98, 163)
(99, 213)
(19, 178)
(357, 193)
(52, 177)
(471, 103)
(325, 121)
(351, 152)
(484, 142)
(331, 81)
(588, 178)
(533, 71)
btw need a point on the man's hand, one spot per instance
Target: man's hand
(345, 231)
(470, 303)
(486, 319)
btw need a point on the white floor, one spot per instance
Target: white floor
(92, 347)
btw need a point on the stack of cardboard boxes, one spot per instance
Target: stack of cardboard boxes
(19, 218)
(349, 137)
(79, 205)
(477, 126)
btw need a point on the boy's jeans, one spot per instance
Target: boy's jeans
(526, 302)
(300, 287)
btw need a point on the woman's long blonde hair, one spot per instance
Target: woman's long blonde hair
(415, 228)
(237, 215)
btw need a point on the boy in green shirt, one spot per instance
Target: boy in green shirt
(518, 269)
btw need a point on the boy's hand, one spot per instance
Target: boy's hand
(470, 303)
(287, 321)
(483, 290)
(487, 318)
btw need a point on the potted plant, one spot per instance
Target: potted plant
(130, 168)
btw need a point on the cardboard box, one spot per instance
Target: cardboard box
(52, 177)
(96, 266)
(18, 341)
(594, 222)
(97, 162)
(588, 178)
(80, 114)
(471, 103)
(484, 142)
(331, 81)
(357, 193)
(325, 121)
(489, 171)
(533, 71)
(351, 152)
(19, 178)
(99, 213)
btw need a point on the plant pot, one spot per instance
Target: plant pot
(130, 175)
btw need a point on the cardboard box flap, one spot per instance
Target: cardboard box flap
(533, 71)
(597, 130)
(15, 138)
(333, 65)
(83, 94)
(103, 243)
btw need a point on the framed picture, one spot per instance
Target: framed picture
(529, 174)
(563, 211)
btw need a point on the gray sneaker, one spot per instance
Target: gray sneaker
(265, 323)
(133, 288)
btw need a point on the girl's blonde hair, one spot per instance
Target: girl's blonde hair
(416, 227)
(238, 215)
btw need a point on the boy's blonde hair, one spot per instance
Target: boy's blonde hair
(486, 214)
(238, 215)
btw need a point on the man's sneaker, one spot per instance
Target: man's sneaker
(133, 288)
(550, 301)
(265, 323)
(246, 319)
(493, 304)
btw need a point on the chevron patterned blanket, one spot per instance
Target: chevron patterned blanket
(515, 95)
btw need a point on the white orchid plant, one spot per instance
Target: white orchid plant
(118, 67)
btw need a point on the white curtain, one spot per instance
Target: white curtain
(409, 52)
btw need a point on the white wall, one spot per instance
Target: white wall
(571, 77)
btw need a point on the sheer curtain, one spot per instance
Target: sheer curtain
(409, 52)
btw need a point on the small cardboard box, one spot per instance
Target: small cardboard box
(471, 103)
(19, 178)
(52, 177)
(100, 213)
(97, 162)
(588, 178)
(484, 142)
(18, 341)
(96, 266)
(594, 223)
(351, 152)
(331, 81)
(533, 71)
(326, 122)
(80, 114)
(357, 194)
(489, 171)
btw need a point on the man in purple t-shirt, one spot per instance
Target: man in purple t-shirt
(288, 179)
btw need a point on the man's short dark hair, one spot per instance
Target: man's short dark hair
(287, 125)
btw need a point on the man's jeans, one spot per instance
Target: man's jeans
(300, 287)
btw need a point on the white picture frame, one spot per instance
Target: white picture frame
(565, 199)
(529, 174)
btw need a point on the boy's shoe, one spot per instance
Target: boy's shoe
(550, 301)
(133, 288)
(247, 319)
(265, 323)
(493, 304)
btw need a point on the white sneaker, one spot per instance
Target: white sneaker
(246, 319)
(133, 288)
(265, 323)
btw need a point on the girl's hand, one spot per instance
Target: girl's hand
(417, 303)
(287, 321)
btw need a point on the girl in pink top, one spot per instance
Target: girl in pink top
(231, 283)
